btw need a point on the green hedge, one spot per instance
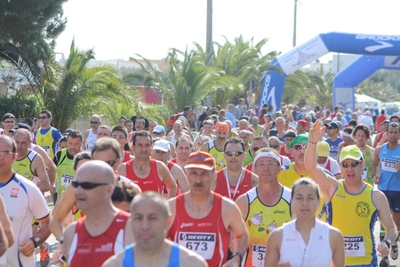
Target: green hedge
(21, 106)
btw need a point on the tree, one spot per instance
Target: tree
(320, 85)
(76, 90)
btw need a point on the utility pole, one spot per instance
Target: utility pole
(209, 42)
(295, 23)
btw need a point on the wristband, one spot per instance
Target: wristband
(388, 243)
(35, 241)
(314, 143)
(237, 254)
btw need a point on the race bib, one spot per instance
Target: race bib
(258, 255)
(201, 243)
(354, 246)
(388, 165)
(364, 173)
(66, 179)
(47, 149)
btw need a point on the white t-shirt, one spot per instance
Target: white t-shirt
(90, 140)
(23, 201)
(331, 165)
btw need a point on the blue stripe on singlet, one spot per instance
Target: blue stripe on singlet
(129, 258)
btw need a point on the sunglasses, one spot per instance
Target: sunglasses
(352, 164)
(86, 185)
(255, 148)
(111, 162)
(234, 153)
(94, 122)
(300, 147)
(274, 146)
(42, 117)
(329, 128)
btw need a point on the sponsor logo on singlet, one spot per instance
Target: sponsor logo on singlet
(183, 225)
(105, 248)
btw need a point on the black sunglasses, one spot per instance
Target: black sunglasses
(274, 146)
(111, 162)
(352, 164)
(255, 148)
(234, 153)
(42, 117)
(86, 185)
(94, 122)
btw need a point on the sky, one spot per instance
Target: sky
(120, 29)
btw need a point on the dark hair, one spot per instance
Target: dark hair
(120, 129)
(353, 122)
(142, 134)
(394, 117)
(106, 143)
(234, 140)
(361, 127)
(183, 138)
(75, 134)
(123, 192)
(187, 108)
(48, 113)
(62, 139)
(29, 121)
(348, 130)
(80, 156)
(305, 181)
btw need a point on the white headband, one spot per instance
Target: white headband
(267, 154)
(346, 134)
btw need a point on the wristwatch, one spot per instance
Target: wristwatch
(237, 254)
(61, 240)
(388, 243)
(36, 241)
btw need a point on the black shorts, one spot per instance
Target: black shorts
(393, 198)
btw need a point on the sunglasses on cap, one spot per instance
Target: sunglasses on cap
(300, 147)
(352, 164)
(234, 153)
(393, 124)
(86, 185)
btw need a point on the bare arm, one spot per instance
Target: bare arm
(386, 220)
(68, 236)
(51, 167)
(273, 248)
(237, 228)
(204, 147)
(375, 165)
(243, 205)
(327, 183)
(85, 136)
(337, 246)
(167, 178)
(6, 223)
(3, 241)
(40, 170)
(63, 206)
(122, 169)
(27, 248)
(180, 178)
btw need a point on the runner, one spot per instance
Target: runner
(150, 216)
(216, 147)
(265, 207)
(90, 136)
(120, 134)
(200, 214)
(103, 231)
(234, 180)
(147, 173)
(312, 243)
(352, 200)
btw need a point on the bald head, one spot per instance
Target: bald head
(98, 169)
(152, 197)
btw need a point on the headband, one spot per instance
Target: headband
(267, 154)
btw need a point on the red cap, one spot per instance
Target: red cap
(303, 122)
(223, 127)
(201, 160)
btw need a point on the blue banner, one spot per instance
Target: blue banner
(272, 89)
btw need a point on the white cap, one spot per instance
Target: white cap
(162, 145)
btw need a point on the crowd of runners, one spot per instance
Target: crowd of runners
(227, 187)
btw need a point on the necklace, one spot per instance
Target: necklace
(301, 175)
(141, 167)
(232, 195)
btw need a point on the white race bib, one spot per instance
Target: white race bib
(388, 165)
(354, 246)
(201, 243)
(364, 173)
(258, 255)
(66, 179)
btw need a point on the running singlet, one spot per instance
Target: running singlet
(150, 183)
(165, 187)
(234, 191)
(90, 140)
(220, 162)
(97, 249)
(127, 156)
(23, 201)
(367, 171)
(317, 253)
(65, 171)
(282, 152)
(261, 220)
(389, 176)
(248, 159)
(359, 234)
(24, 166)
(129, 256)
(207, 236)
(46, 140)
(334, 145)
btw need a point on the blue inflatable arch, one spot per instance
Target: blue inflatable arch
(273, 81)
(355, 73)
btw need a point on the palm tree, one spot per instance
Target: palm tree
(320, 85)
(76, 90)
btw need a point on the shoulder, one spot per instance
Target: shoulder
(115, 260)
(188, 258)
(378, 197)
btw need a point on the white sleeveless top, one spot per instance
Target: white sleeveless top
(90, 140)
(317, 253)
